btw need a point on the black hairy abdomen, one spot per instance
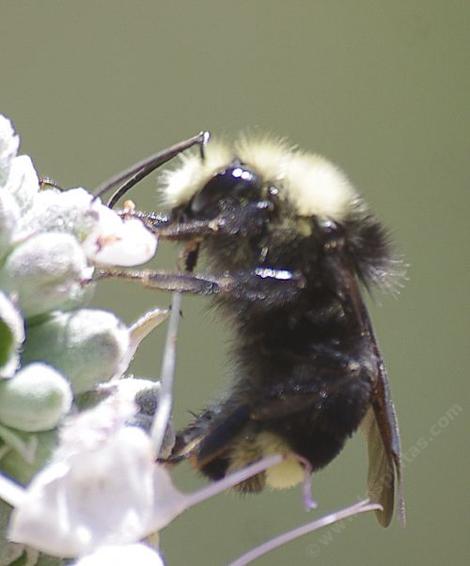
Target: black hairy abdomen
(310, 357)
(301, 372)
(318, 433)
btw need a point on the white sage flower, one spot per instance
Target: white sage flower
(9, 219)
(22, 181)
(106, 237)
(122, 555)
(9, 143)
(102, 487)
(122, 241)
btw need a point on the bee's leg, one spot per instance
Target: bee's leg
(172, 282)
(269, 286)
(230, 223)
(163, 227)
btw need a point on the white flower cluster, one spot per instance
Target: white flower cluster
(53, 349)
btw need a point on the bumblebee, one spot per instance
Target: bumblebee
(291, 247)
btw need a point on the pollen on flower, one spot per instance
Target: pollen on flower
(129, 206)
(103, 241)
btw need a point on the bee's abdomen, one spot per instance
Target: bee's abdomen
(318, 432)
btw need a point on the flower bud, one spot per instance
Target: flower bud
(62, 211)
(88, 346)
(45, 272)
(35, 399)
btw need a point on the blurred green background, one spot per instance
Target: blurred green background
(382, 88)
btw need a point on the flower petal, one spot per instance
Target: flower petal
(119, 241)
(139, 330)
(122, 555)
(103, 487)
(9, 143)
(22, 182)
(9, 219)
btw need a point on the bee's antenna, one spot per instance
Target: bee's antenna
(135, 173)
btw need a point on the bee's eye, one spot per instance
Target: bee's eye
(234, 183)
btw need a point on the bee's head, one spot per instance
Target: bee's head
(277, 205)
(228, 191)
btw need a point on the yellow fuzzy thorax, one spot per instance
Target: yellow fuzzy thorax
(310, 183)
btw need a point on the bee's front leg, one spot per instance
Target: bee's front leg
(262, 284)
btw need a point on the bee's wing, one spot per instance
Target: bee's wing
(383, 468)
(383, 439)
(380, 423)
